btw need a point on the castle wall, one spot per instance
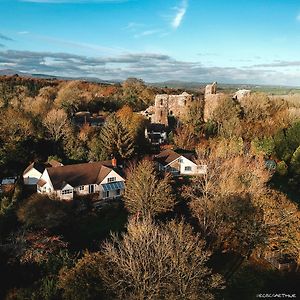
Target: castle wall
(173, 105)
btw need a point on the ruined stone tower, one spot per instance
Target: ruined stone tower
(161, 110)
(212, 100)
(211, 89)
(171, 105)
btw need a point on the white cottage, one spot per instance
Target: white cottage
(82, 179)
(179, 164)
(34, 171)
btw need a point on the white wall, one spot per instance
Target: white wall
(32, 177)
(112, 173)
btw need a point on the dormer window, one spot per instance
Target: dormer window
(111, 179)
(66, 192)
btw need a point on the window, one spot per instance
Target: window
(107, 194)
(188, 168)
(118, 192)
(161, 102)
(111, 179)
(180, 160)
(81, 188)
(66, 192)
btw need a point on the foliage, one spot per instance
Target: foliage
(115, 139)
(39, 211)
(295, 161)
(264, 146)
(158, 262)
(56, 122)
(145, 193)
(33, 246)
(282, 168)
(83, 282)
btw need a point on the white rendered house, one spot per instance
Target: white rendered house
(179, 164)
(99, 178)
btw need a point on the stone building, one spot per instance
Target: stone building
(171, 105)
(211, 89)
(212, 99)
(241, 94)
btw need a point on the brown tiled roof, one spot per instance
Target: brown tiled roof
(79, 174)
(167, 156)
(41, 182)
(54, 163)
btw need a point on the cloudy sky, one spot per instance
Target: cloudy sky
(255, 41)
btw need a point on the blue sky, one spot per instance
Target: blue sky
(255, 41)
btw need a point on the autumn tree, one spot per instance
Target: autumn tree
(282, 222)
(222, 201)
(40, 211)
(185, 138)
(136, 93)
(83, 281)
(28, 246)
(227, 116)
(69, 97)
(148, 262)
(115, 139)
(14, 126)
(145, 193)
(56, 122)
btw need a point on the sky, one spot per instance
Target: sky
(228, 41)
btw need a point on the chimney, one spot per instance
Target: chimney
(114, 162)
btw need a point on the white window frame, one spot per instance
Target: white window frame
(188, 168)
(111, 179)
(66, 192)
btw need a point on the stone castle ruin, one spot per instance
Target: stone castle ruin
(170, 105)
(178, 106)
(212, 99)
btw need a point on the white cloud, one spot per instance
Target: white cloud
(147, 33)
(298, 17)
(149, 66)
(180, 13)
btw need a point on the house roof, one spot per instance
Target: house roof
(41, 182)
(35, 165)
(54, 163)
(79, 174)
(167, 156)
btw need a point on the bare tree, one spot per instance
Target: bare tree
(222, 202)
(56, 122)
(145, 193)
(158, 262)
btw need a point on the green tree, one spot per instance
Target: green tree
(295, 161)
(145, 193)
(115, 139)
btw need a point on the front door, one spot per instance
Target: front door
(91, 189)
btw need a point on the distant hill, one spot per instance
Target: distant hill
(10, 72)
(173, 84)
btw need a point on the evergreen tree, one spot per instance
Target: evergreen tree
(115, 139)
